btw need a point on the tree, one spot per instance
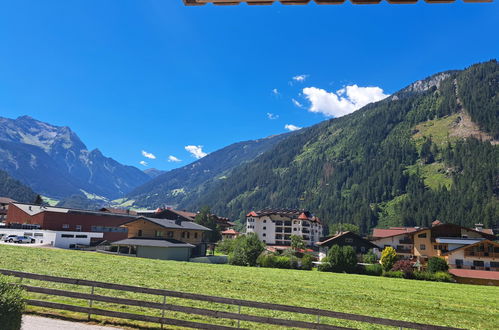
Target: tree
(388, 258)
(205, 218)
(369, 257)
(335, 258)
(341, 227)
(246, 250)
(297, 242)
(38, 200)
(349, 259)
(405, 266)
(436, 264)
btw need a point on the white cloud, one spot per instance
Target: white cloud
(344, 101)
(196, 151)
(173, 159)
(148, 155)
(272, 116)
(296, 103)
(275, 92)
(143, 163)
(291, 127)
(300, 77)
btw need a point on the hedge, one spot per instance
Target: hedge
(11, 305)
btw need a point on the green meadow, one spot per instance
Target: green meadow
(446, 304)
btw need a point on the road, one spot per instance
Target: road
(31, 322)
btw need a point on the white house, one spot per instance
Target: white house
(59, 239)
(275, 226)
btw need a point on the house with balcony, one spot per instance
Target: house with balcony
(399, 238)
(481, 255)
(347, 238)
(275, 226)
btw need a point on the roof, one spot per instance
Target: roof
(304, 2)
(472, 273)
(6, 200)
(471, 245)
(171, 224)
(345, 233)
(290, 213)
(164, 243)
(32, 209)
(481, 232)
(392, 231)
(118, 211)
(230, 232)
(458, 240)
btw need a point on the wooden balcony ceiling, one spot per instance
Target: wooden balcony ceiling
(319, 2)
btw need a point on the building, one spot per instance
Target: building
(399, 238)
(28, 216)
(347, 238)
(59, 239)
(230, 234)
(482, 255)
(163, 239)
(443, 238)
(4, 207)
(479, 277)
(275, 226)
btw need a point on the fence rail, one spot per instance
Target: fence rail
(191, 310)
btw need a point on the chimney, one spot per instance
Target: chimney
(30, 207)
(478, 227)
(178, 221)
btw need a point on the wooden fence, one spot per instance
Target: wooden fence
(91, 297)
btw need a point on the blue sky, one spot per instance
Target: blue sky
(155, 76)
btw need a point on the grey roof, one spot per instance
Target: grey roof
(172, 224)
(153, 242)
(32, 209)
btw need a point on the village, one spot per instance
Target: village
(469, 255)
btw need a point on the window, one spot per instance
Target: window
(422, 235)
(264, 234)
(78, 227)
(264, 221)
(422, 247)
(81, 236)
(67, 236)
(38, 234)
(494, 264)
(264, 228)
(65, 226)
(158, 233)
(188, 234)
(348, 240)
(459, 263)
(362, 249)
(139, 232)
(169, 234)
(294, 229)
(435, 247)
(478, 263)
(195, 235)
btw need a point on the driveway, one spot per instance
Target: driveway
(31, 322)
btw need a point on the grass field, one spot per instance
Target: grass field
(463, 306)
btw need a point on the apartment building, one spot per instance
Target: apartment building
(275, 226)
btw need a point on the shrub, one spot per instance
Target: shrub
(325, 266)
(282, 262)
(406, 266)
(266, 259)
(225, 246)
(395, 274)
(370, 257)
(288, 253)
(306, 262)
(335, 258)
(11, 305)
(438, 276)
(247, 249)
(388, 258)
(436, 264)
(349, 259)
(373, 270)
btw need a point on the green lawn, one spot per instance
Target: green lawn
(464, 306)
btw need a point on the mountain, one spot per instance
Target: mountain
(430, 151)
(153, 172)
(183, 186)
(54, 161)
(15, 190)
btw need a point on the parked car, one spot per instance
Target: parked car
(20, 239)
(9, 238)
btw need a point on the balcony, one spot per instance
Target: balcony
(287, 230)
(305, 224)
(406, 241)
(305, 231)
(482, 254)
(403, 250)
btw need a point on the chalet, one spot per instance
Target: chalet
(442, 238)
(163, 239)
(29, 216)
(399, 238)
(482, 255)
(347, 238)
(230, 234)
(275, 226)
(4, 207)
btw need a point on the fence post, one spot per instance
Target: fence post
(239, 312)
(318, 319)
(163, 311)
(90, 302)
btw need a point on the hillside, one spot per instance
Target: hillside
(186, 185)
(407, 160)
(446, 304)
(15, 190)
(54, 161)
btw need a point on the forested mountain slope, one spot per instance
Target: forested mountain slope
(14, 189)
(186, 185)
(427, 152)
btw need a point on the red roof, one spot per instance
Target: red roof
(230, 232)
(393, 231)
(252, 214)
(303, 216)
(471, 273)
